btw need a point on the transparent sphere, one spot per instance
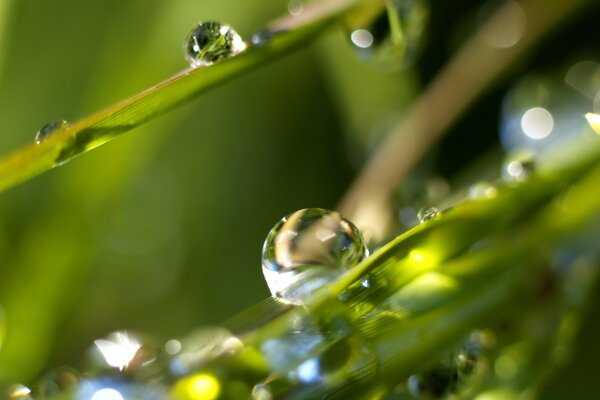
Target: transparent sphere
(210, 42)
(427, 213)
(393, 38)
(518, 166)
(307, 249)
(49, 129)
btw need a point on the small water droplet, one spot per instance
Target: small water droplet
(15, 391)
(55, 382)
(518, 167)
(261, 392)
(393, 38)
(482, 190)
(262, 37)
(116, 388)
(210, 42)
(427, 213)
(295, 7)
(307, 249)
(48, 129)
(201, 347)
(125, 353)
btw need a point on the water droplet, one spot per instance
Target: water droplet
(542, 114)
(125, 353)
(48, 129)
(262, 37)
(15, 391)
(55, 382)
(518, 167)
(210, 42)
(113, 388)
(261, 392)
(202, 347)
(393, 38)
(307, 249)
(427, 213)
(482, 190)
(295, 7)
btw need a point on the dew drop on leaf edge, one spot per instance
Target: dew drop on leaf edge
(427, 213)
(307, 249)
(48, 129)
(210, 42)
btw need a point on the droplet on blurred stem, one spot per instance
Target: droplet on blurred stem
(48, 129)
(544, 114)
(390, 39)
(210, 42)
(518, 166)
(199, 348)
(482, 190)
(308, 249)
(295, 7)
(55, 382)
(427, 213)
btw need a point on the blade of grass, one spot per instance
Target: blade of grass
(285, 34)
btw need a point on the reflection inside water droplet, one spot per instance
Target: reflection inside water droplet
(308, 249)
(210, 42)
(427, 213)
(118, 350)
(48, 129)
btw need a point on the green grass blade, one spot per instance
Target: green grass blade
(94, 130)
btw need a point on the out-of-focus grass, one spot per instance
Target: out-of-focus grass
(139, 234)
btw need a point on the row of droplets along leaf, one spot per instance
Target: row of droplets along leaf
(387, 40)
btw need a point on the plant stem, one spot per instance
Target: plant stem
(472, 70)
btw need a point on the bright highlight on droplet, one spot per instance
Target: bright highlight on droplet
(107, 394)
(594, 121)
(362, 38)
(20, 392)
(537, 123)
(198, 387)
(119, 350)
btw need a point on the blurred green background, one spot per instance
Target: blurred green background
(161, 230)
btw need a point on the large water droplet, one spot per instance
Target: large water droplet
(427, 213)
(210, 42)
(393, 38)
(308, 249)
(48, 129)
